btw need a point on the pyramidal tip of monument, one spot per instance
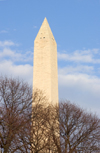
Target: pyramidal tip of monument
(44, 30)
(45, 19)
(45, 22)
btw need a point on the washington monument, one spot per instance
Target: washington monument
(45, 74)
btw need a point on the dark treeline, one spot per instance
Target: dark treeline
(28, 123)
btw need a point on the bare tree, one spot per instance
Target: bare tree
(15, 111)
(44, 120)
(79, 131)
(30, 123)
(23, 127)
(40, 115)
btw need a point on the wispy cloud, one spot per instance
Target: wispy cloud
(76, 69)
(34, 27)
(3, 31)
(14, 56)
(6, 43)
(82, 56)
(14, 29)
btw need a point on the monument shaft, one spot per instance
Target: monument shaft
(45, 75)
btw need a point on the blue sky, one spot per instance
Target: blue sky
(76, 27)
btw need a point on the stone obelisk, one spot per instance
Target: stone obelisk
(45, 74)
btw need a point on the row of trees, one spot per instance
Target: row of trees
(27, 123)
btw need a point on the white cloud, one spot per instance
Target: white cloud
(6, 43)
(82, 56)
(82, 89)
(24, 72)
(14, 56)
(8, 57)
(7, 52)
(76, 69)
(78, 81)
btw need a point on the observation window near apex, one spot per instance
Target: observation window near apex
(43, 37)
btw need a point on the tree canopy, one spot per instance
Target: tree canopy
(28, 122)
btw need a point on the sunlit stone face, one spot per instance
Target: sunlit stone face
(45, 75)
